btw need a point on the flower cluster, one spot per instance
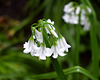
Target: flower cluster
(45, 41)
(72, 11)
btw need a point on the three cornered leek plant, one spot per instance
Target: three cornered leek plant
(46, 41)
(72, 11)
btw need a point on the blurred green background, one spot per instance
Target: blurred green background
(16, 18)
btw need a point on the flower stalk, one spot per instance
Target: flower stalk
(58, 69)
(94, 42)
(76, 56)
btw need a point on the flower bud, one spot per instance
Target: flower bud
(54, 33)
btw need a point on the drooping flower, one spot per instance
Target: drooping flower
(73, 19)
(57, 51)
(66, 18)
(39, 36)
(42, 52)
(49, 21)
(69, 7)
(39, 44)
(30, 47)
(27, 47)
(86, 25)
(51, 28)
(78, 10)
(54, 33)
(63, 44)
(72, 14)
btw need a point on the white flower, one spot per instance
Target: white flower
(66, 18)
(34, 50)
(72, 15)
(49, 21)
(83, 12)
(38, 36)
(86, 25)
(83, 18)
(70, 18)
(30, 46)
(54, 33)
(89, 10)
(27, 47)
(42, 52)
(69, 8)
(63, 44)
(50, 26)
(78, 10)
(57, 51)
(73, 19)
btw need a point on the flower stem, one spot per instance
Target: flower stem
(94, 43)
(77, 43)
(94, 49)
(58, 69)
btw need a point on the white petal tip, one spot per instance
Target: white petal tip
(42, 58)
(25, 51)
(62, 54)
(69, 46)
(54, 33)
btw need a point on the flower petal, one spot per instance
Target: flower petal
(42, 57)
(26, 51)
(25, 45)
(39, 36)
(55, 55)
(48, 52)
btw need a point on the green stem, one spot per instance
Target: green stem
(94, 49)
(94, 43)
(75, 69)
(58, 69)
(77, 44)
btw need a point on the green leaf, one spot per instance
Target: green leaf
(75, 69)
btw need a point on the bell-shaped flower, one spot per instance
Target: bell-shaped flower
(50, 26)
(57, 51)
(34, 50)
(89, 10)
(66, 18)
(72, 15)
(49, 21)
(30, 47)
(70, 18)
(42, 52)
(86, 25)
(54, 33)
(63, 44)
(39, 36)
(27, 47)
(73, 19)
(69, 8)
(78, 10)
